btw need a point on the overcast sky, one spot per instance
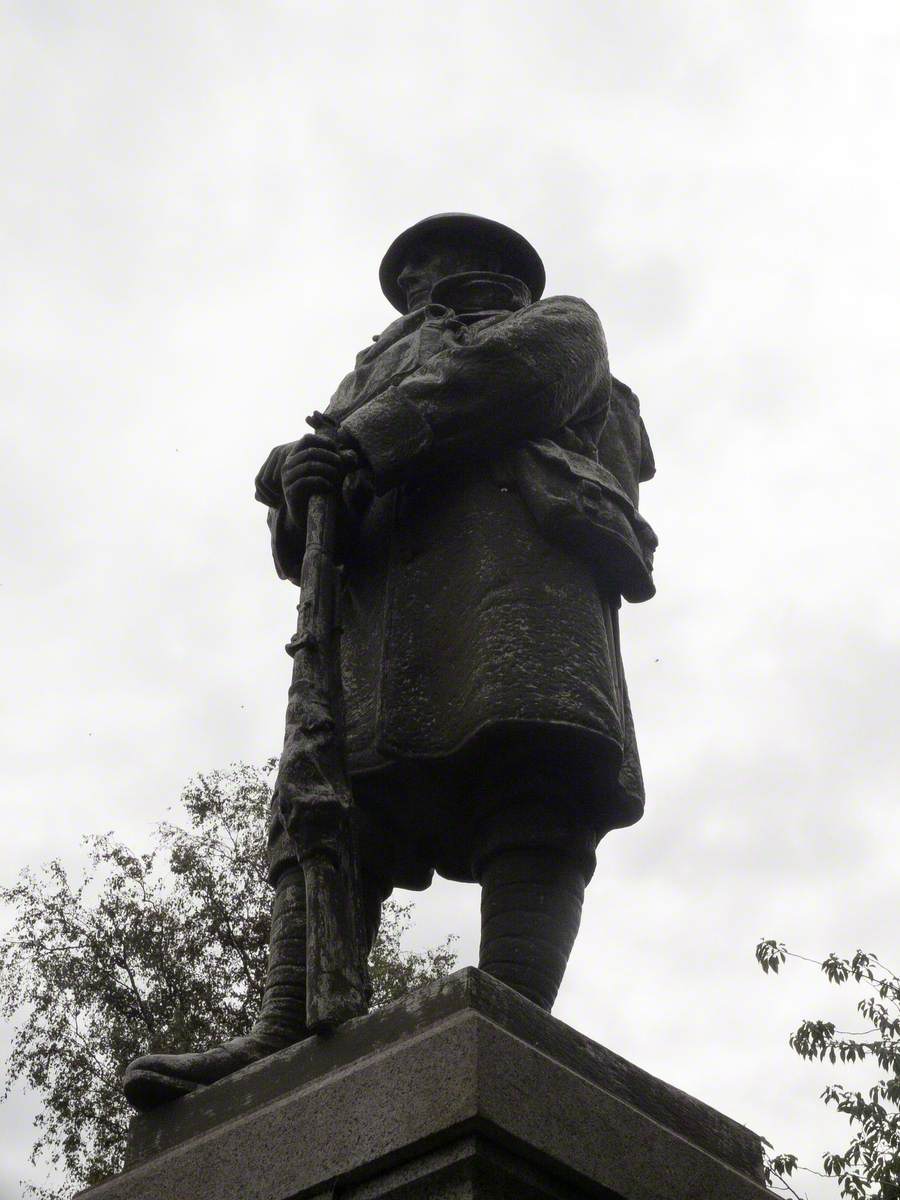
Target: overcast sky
(196, 200)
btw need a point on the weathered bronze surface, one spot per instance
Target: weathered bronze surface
(483, 467)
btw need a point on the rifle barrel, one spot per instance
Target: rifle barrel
(314, 794)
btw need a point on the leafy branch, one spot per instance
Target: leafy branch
(164, 950)
(869, 1167)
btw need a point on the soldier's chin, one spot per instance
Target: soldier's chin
(481, 291)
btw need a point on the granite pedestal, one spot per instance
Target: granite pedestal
(461, 1091)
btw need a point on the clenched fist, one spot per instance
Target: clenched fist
(292, 473)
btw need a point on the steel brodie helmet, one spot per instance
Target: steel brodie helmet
(517, 256)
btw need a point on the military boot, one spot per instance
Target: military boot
(156, 1078)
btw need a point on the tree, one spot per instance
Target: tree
(164, 950)
(869, 1168)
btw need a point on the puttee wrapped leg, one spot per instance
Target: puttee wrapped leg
(156, 1078)
(531, 903)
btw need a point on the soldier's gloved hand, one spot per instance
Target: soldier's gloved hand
(317, 463)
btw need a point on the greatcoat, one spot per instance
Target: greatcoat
(487, 544)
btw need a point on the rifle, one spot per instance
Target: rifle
(313, 790)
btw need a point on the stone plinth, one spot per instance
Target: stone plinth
(462, 1091)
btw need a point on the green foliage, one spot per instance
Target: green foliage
(869, 1168)
(145, 952)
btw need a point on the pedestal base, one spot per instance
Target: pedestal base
(461, 1091)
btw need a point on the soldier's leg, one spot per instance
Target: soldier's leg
(531, 904)
(156, 1078)
(534, 854)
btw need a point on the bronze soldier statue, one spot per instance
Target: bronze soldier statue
(487, 466)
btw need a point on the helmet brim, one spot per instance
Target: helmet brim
(517, 256)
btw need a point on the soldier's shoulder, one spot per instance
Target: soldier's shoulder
(569, 315)
(565, 303)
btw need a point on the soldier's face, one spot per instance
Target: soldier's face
(423, 270)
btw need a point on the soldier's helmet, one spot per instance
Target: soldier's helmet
(516, 255)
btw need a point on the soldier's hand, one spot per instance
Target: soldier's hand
(268, 481)
(317, 463)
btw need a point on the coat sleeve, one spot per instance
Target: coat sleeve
(287, 544)
(524, 377)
